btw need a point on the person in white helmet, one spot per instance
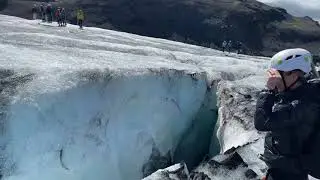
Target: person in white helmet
(289, 110)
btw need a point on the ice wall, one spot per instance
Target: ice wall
(104, 127)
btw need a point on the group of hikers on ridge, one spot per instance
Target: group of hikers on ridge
(228, 46)
(60, 15)
(47, 13)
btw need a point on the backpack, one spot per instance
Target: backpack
(310, 158)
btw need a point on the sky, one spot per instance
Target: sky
(298, 7)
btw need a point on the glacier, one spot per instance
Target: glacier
(101, 104)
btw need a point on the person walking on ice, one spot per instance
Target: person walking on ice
(80, 17)
(63, 17)
(224, 45)
(49, 13)
(229, 46)
(34, 12)
(43, 12)
(58, 16)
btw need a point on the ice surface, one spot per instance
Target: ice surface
(94, 104)
(237, 105)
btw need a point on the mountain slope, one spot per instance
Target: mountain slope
(3, 4)
(262, 29)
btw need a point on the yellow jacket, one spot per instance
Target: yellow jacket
(80, 15)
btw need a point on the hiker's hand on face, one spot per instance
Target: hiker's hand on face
(275, 81)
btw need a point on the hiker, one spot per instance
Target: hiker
(239, 47)
(63, 17)
(224, 45)
(229, 46)
(49, 13)
(80, 18)
(58, 16)
(42, 12)
(288, 111)
(34, 12)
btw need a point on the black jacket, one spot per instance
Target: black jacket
(34, 10)
(289, 118)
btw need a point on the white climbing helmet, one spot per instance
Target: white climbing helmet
(292, 59)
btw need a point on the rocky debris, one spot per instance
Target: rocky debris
(229, 161)
(175, 172)
(156, 161)
(250, 174)
(227, 166)
(237, 106)
(199, 176)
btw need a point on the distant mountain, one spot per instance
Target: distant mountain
(3, 4)
(262, 29)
